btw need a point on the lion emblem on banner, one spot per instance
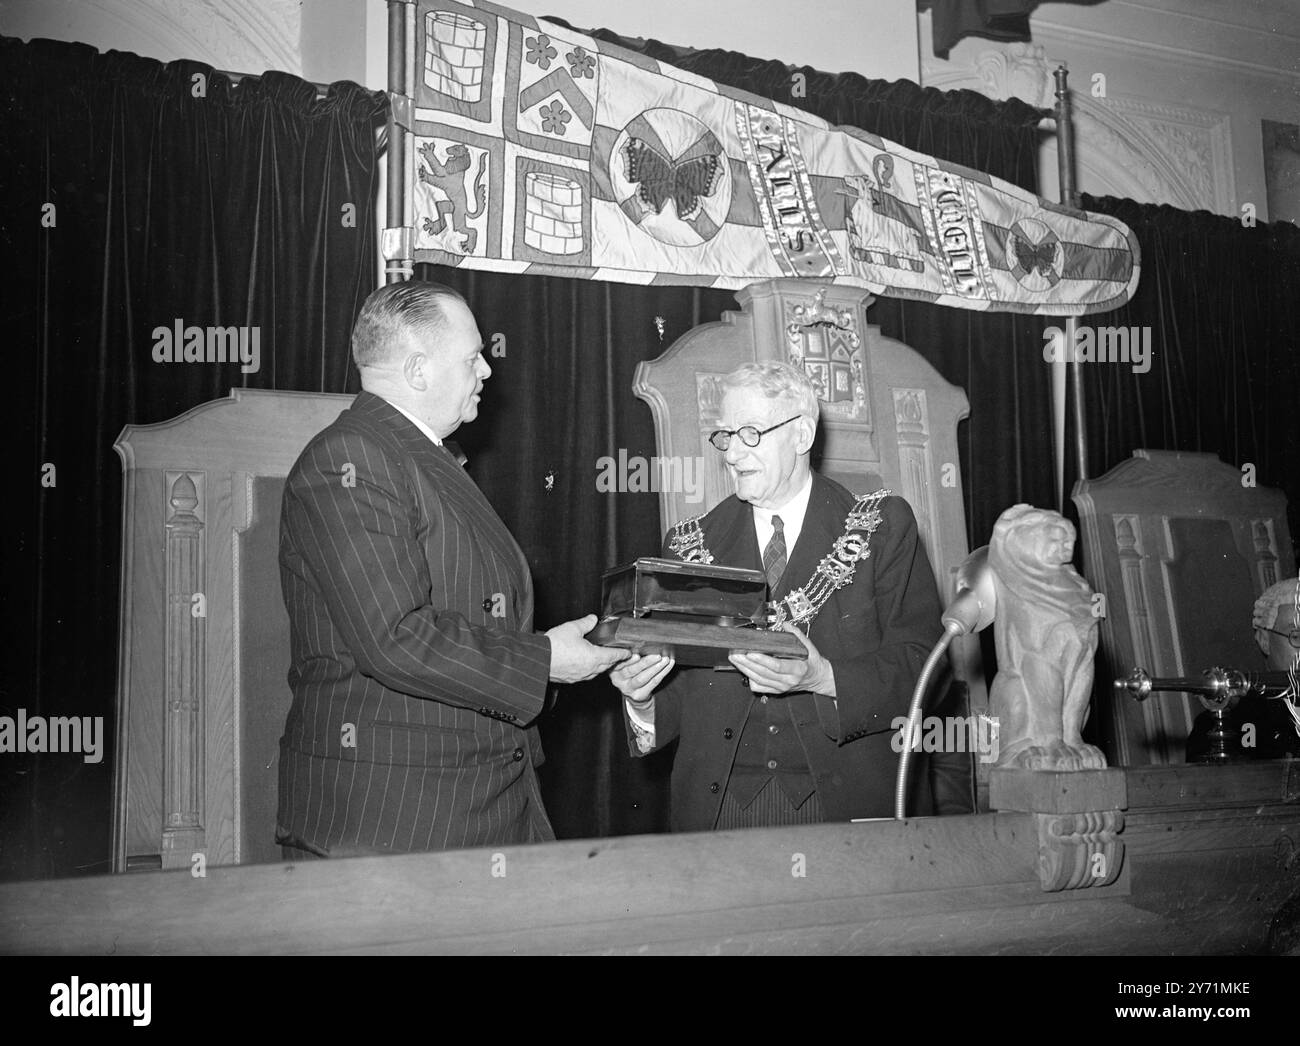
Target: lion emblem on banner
(448, 190)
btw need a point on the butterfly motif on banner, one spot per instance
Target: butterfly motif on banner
(671, 177)
(1036, 250)
(1035, 256)
(659, 178)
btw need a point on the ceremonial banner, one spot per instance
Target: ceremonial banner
(541, 150)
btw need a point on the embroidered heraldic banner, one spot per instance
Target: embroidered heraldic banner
(541, 150)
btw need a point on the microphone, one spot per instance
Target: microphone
(973, 607)
(970, 611)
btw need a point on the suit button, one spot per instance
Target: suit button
(773, 729)
(487, 605)
(519, 754)
(727, 734)
(713, 787)
(771, 764)
(763, 699)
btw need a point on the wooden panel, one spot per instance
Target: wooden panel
(137, 778)
(220, 720)
(1197, 880)
(185, 502)
(251, 430)
(655, 888)
(1175, 607)
(263, 666)
(1169, 787)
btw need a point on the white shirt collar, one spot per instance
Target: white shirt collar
(792, 515)
(418, 423)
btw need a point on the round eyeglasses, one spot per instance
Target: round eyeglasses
(721, 438)
(1293, 636)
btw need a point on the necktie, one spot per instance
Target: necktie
(774, 554)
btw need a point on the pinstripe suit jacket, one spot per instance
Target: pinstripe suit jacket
(415, 670)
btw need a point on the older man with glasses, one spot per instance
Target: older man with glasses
(786, 741)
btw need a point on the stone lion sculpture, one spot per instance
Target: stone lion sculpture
(1046, 635)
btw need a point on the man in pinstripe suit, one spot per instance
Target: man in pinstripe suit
(417, 677)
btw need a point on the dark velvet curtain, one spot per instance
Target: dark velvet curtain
(137, 196)
(560, 399)
(1222, 304)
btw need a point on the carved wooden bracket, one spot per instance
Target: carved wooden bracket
(1079, 819)
(1079, 850)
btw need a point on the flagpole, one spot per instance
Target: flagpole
(1065, 170)
(395, 216)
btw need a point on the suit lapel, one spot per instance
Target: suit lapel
(735, 544)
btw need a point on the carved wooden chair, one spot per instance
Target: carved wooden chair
(204, 638)
(887, 418)
(1180, 550)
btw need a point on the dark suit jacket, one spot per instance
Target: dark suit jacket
(876, 632)
(411, 615)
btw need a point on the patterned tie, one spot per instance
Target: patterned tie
(774, 554)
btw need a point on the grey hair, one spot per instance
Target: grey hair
(1272, 599)
(395, 310)
(776, 381)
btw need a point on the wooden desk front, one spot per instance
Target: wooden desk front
(1210, 855)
